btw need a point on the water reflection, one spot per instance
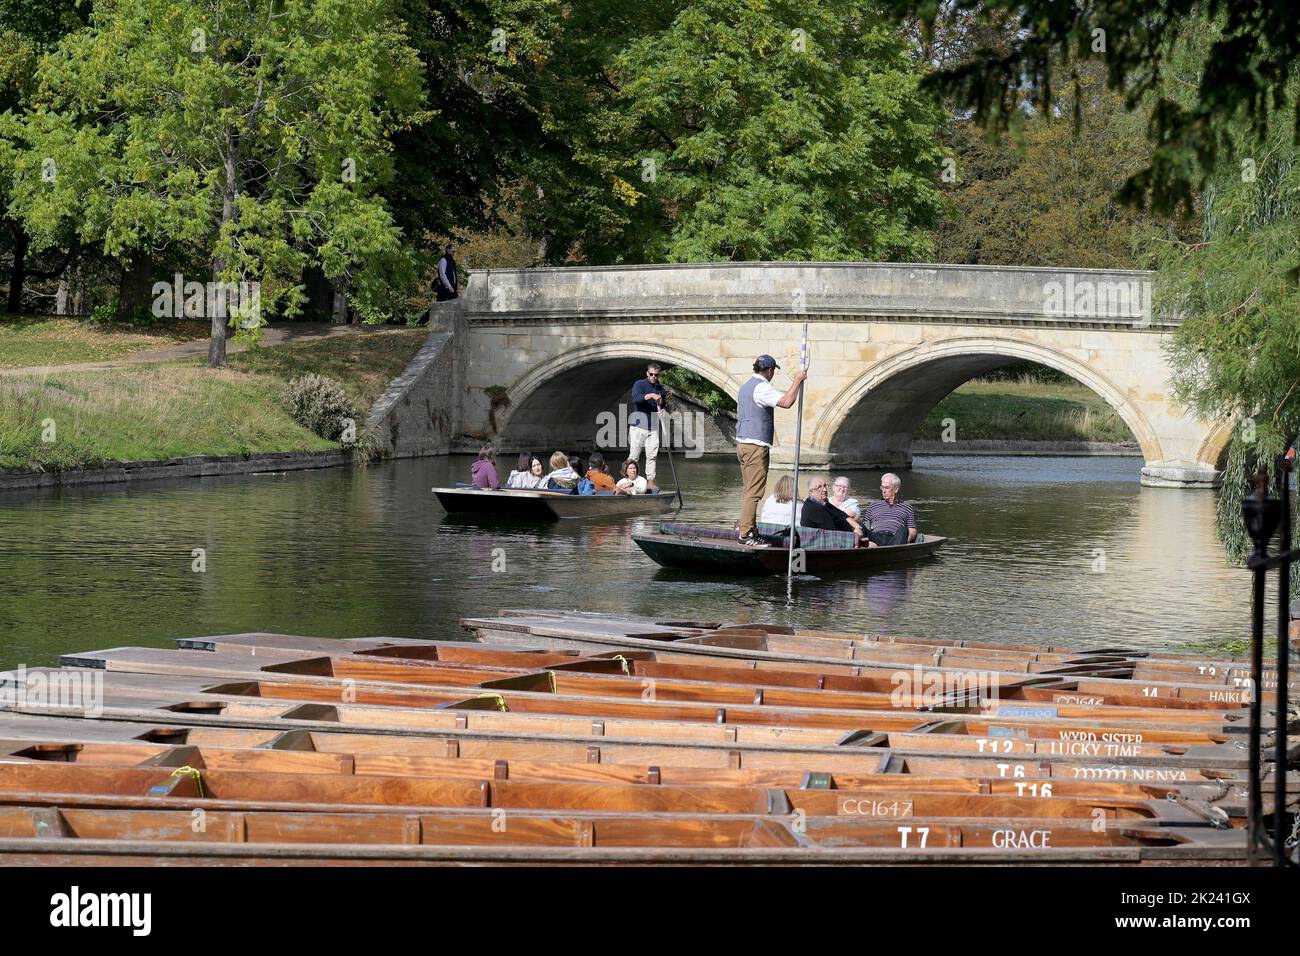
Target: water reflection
(1055, 550)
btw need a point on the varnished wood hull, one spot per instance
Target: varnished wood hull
(579, 739)
(551, 506)
(715, 556)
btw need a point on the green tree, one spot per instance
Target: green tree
(254, 136)
(1236, 355)
(1240, 77)
(26, 30)
(1048, 198)
(459, 172)
(709, 130)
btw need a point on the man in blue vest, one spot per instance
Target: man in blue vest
(754, 430)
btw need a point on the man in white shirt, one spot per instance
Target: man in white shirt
(754, 432)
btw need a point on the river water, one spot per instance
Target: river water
(1068, 550)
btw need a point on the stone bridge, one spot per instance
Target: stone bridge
(540, 353)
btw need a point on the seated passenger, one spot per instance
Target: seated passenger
(598, 473)
(522, 467)
(840, 498)
(483, 473)
(561, 475)
(890, 520)
(584, 486)
(631, 483)
(532, 478)
(776, 509)
(818, 512)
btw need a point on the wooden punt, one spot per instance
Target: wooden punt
(553, 634)
(1227, 670)
(529, 505)
(134, 697)
(1065, 694)
(560, 683)
(712, 555)
(610, 695)
(598, 757)
(73, 836)
(955, 655)
(705, 743)
(208, 789)
(139, 753)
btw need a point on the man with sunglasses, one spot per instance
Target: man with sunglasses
(643, 423)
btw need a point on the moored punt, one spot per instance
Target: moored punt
(42, 782)
(597, 757)
(1232, 671)
(618, 697)
(70, 836)
(715, 551)
(303, 704)
(538, 505)
(328, 755)
(629, 676)
(702, 743)
(785, 651)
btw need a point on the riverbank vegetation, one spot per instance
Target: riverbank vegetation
(80, 418)
(1024, 409)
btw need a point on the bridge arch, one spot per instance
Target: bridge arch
(557, 403)
(871, 420)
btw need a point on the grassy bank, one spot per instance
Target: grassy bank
(167, 411)
(48, 340)
(1026, 410)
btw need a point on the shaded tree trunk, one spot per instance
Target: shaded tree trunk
(320, 295)
(340, 304)
(217, 342)
(135, 291)
(18, 277)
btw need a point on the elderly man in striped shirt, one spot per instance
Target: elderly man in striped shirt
(891, 521)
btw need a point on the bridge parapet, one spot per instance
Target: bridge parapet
(983, 295)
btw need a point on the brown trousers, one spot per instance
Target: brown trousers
(753, 478)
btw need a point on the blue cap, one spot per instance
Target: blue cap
(764, 362)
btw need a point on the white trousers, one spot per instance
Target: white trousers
(638, 438)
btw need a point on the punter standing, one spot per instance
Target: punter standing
(643, 423)
(754, 431)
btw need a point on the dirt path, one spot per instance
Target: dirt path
(272, 335)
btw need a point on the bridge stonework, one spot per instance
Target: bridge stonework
(541, 353)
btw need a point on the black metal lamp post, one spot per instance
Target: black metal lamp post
(1263, 517)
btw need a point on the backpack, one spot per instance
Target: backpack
(585, 487)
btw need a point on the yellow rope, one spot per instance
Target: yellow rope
(191, 772)
(501, 701)
(627, 669)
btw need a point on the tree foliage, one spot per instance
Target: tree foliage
(253, 136)
(1048, 196)
(710, 130)
(1236, 356)
(1240, 77)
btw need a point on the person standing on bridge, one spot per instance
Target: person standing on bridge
(643, 423)
(446, 281)
(754, 430)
